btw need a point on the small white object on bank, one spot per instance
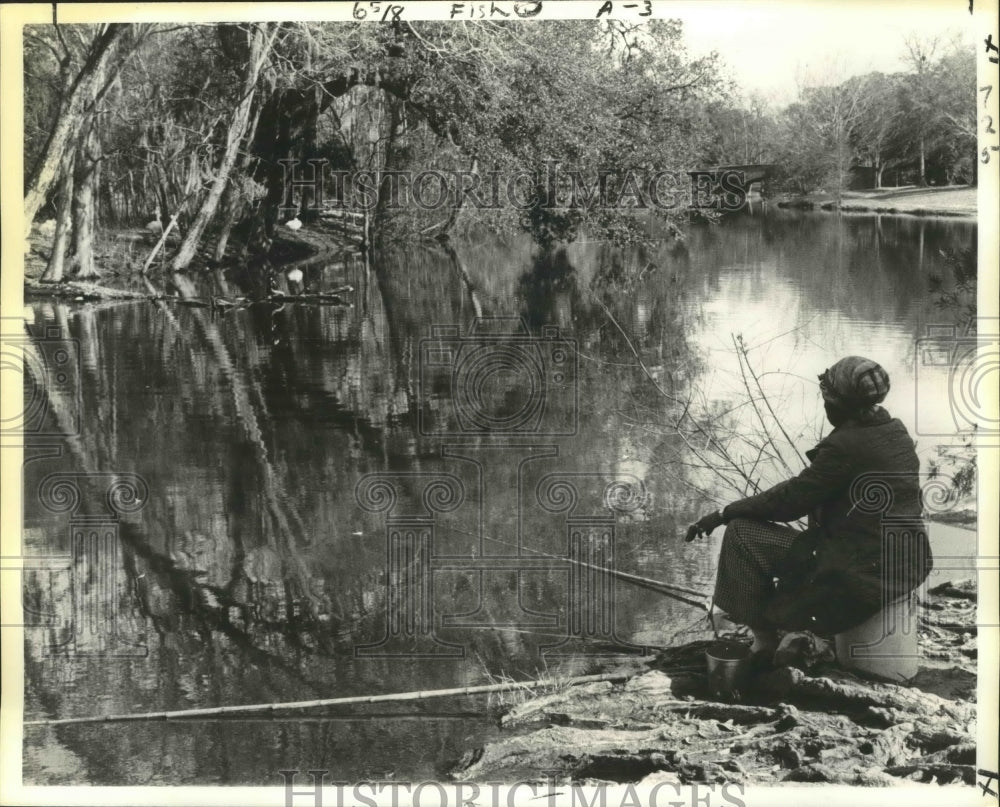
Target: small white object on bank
(294, 224)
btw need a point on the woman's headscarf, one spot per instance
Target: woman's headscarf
(855, 383)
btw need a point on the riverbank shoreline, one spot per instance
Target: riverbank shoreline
(119, 282)
(807, 721)
(120, 253)
(948, 202)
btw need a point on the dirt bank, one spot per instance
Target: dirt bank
(121, 254)
(793, 725)
(949, 201)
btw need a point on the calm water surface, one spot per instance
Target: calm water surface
(266, 563)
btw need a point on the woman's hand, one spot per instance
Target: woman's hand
(704, 526)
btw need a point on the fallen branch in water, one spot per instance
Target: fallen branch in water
(218, 711)
(86, 291)
(322, 298)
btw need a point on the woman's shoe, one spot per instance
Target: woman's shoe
(758, 663)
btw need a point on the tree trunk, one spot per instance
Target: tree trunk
(459, 267)
(64, 225)
(231, 210)
(84, 93)
(233, 205)
(83, 207)
(260, 43)
(281, 134)
(840, 171)
(920, 249)
(923, 166)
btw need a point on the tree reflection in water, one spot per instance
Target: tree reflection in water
(253, 574)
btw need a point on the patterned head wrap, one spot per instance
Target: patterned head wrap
(855, 383)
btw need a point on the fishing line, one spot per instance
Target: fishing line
(667, 589)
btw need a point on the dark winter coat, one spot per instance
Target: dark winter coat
(865, 545)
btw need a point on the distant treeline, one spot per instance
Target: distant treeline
(915, 127)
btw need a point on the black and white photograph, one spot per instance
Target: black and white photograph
(496, 403)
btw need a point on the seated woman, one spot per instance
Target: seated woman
(844, 567)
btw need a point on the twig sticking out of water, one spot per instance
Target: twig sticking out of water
(745, 368)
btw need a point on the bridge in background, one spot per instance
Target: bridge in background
(752, 173)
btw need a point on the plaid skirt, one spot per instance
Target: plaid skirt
(752, 553)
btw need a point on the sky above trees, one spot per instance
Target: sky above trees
(771, 48)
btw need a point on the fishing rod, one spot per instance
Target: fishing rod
(666, 589)
(249, 708)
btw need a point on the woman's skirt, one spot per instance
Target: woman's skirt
(751, 556)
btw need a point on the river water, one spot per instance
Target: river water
(335, 501)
